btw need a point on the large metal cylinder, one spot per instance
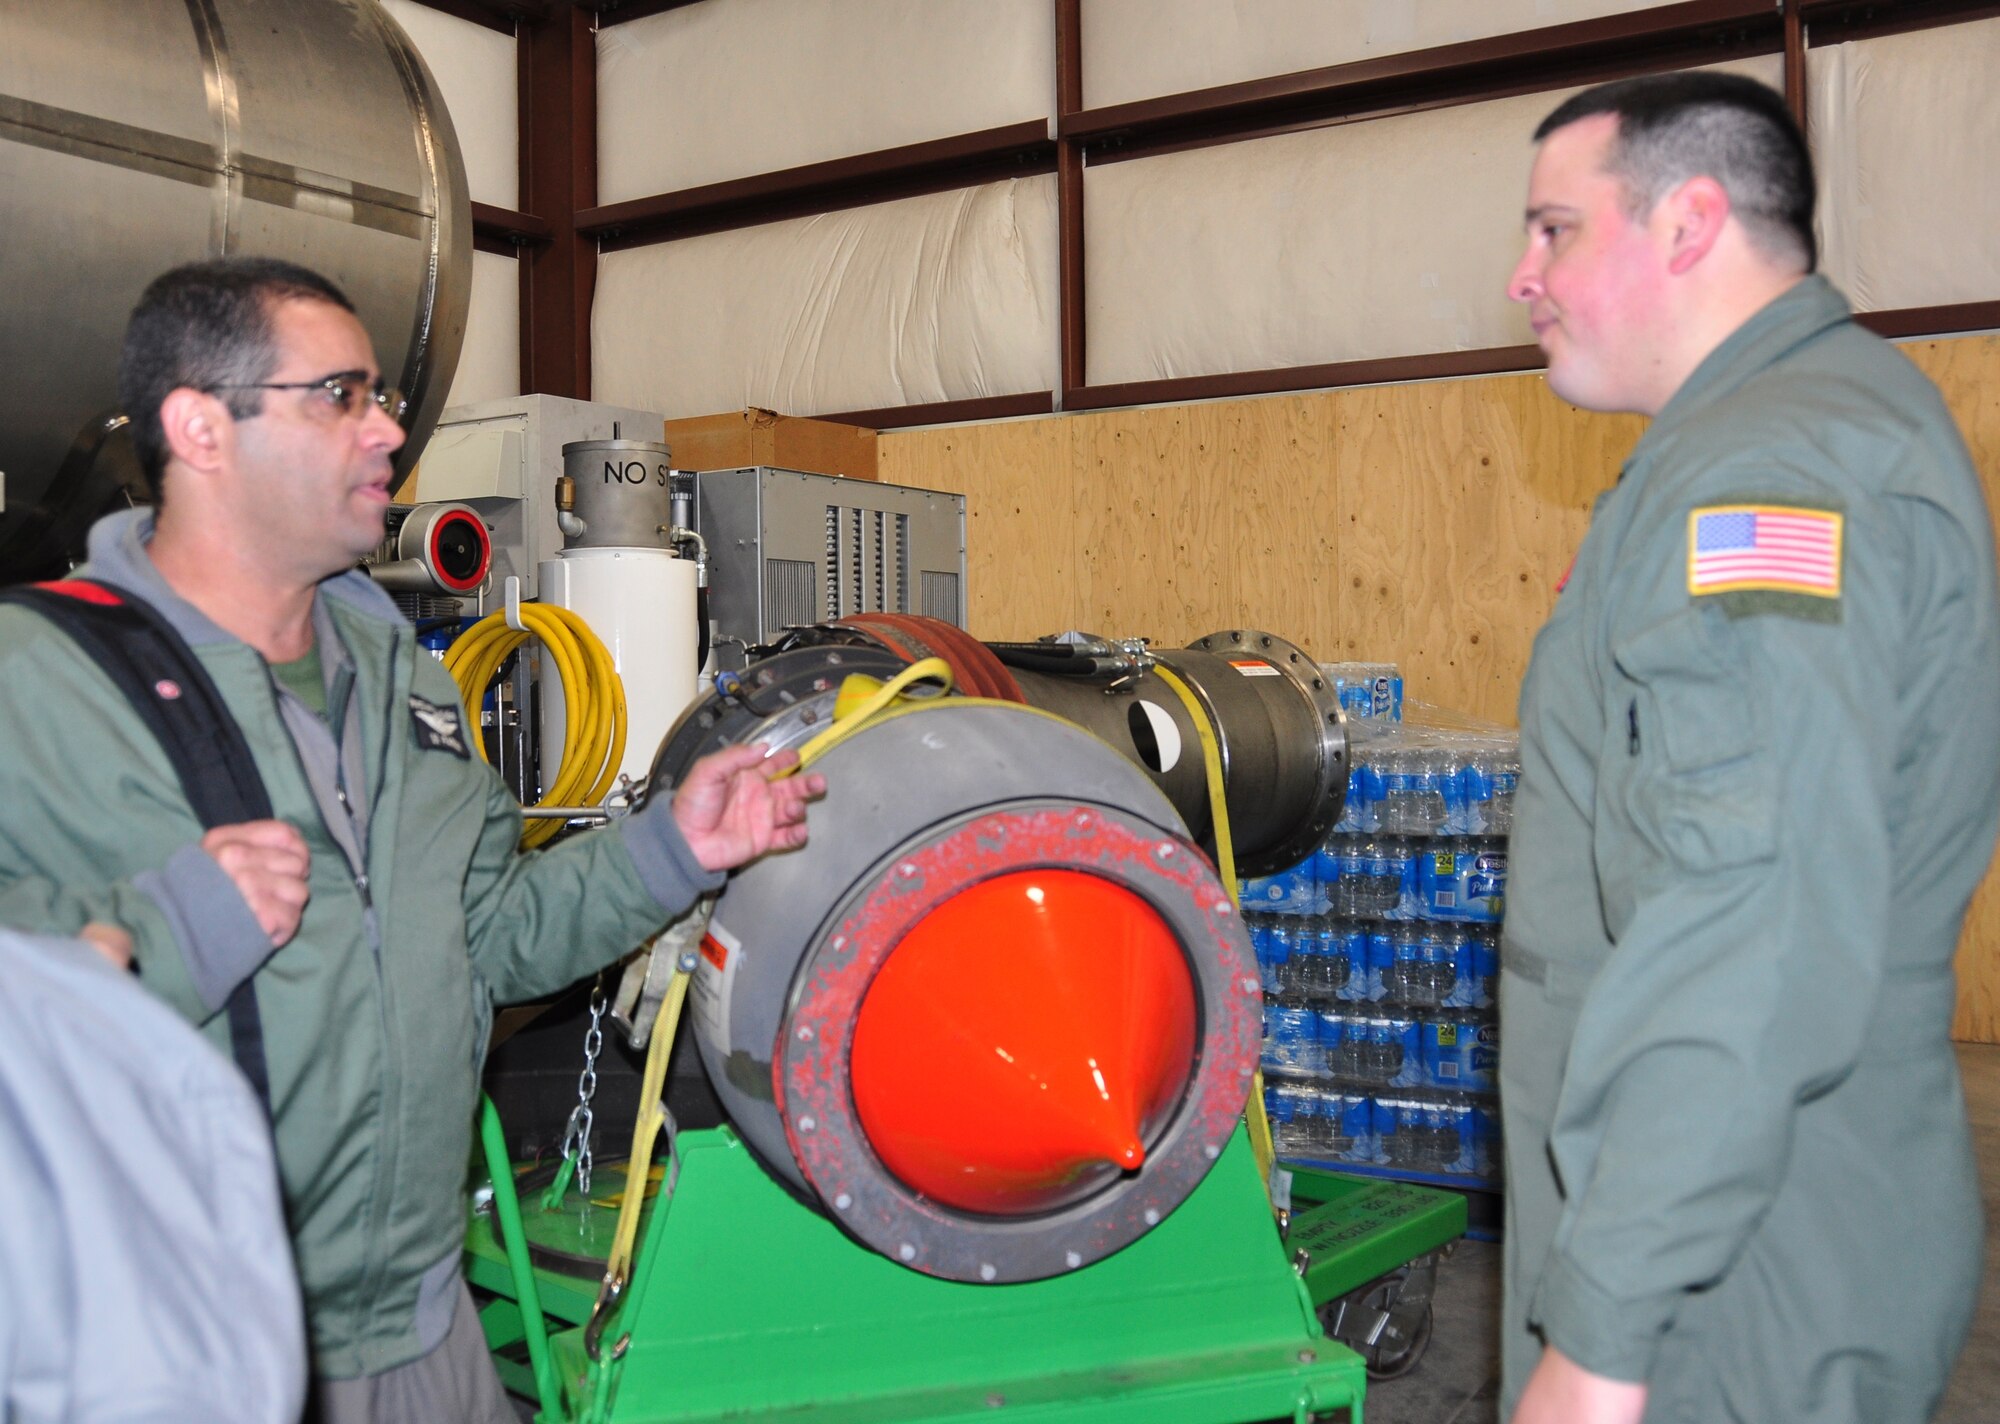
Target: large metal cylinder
(1278, 730)
(623, 491)
(1276, 720)
(136, 135)
(999, 1016)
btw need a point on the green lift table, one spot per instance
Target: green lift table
(745, 1304)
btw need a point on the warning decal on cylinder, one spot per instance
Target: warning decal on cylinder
(714, 982)
(1253, 667)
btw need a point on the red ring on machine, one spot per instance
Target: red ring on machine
(434, 549)
(834, 1090)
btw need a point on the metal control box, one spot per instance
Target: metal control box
(787, 549)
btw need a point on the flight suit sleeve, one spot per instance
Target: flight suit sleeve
(1742, 850)
(82, 781)
(540, 920)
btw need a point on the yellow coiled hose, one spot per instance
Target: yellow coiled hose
(593, 698)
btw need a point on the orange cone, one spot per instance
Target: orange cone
(1023, 1043)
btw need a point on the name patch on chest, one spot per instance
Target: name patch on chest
(1767, 558)
(439, 727)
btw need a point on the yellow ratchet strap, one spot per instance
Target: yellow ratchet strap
(680, 941)
(849, 720)
(1254, 1116)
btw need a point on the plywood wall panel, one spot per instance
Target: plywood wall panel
(1284, 520)
(1425, 523)
(1967, 370)
(1153, 513)
(1022, 540)
(1462, 504)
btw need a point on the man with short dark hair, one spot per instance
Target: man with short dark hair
(383, 908)
(1757, 794)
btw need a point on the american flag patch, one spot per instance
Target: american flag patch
(1774, 548)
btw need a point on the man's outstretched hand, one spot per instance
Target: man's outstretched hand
(738, 803)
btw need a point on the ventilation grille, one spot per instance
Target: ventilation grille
(940, 595)
(788, 594)
(866, 562)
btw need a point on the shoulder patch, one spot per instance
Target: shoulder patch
(1767, 557)
(438, 727)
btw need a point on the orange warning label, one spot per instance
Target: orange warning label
(1253, 667)
(714, 951)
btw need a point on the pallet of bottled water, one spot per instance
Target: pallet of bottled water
(1422, 834)
(1379, 955)
(1368, 692)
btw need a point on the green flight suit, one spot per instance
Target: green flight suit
(1749, 823)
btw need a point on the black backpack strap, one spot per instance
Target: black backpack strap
(173, 694)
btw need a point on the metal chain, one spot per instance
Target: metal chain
(576, 1136)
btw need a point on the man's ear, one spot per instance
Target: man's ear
(197, 426)
(1693, 216)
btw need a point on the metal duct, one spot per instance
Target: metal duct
(139, 134)
(998, 1017)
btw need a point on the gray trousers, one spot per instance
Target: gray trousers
(453, 1384)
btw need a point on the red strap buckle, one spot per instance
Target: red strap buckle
(84, 591)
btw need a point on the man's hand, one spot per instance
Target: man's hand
(111, 941)
(737, 803)
(269, 862)
(1560, 1391)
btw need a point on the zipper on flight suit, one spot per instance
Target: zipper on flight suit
(1632, 727)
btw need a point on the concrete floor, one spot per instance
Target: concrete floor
(1459, 1379)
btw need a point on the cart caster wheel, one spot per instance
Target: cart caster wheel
(1387, 1322)
(1394, 1364)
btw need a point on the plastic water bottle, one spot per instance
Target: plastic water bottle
(1335, 967)
(1484, 879)
(1381, 959)
(1313, 965)
(1456, 780)
(1485, 967)
(1506, 775)
(1353, 1135)
(1474, 775)
(1394, 1146)
(1487, 1155)
(1326, 875)
(1483, 1066)
(1354, 875)
(1456, 972)
(1291, 1038)
(1282, 948)
(1342, 1037)
(1352, 938)
(1429, 767)
(1393, 813)
(1398, 980)
(1367, 897)
(1431, 980)
(1290, 1104)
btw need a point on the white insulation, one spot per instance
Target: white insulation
(730, 88)
(1389, 237)
(489, 364)
(1903, 130)
(476, 70)
(1141, 49)
(949, 296)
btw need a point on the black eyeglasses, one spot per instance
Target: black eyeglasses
(343, 391)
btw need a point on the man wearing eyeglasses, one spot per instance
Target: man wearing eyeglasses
(383, 909)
